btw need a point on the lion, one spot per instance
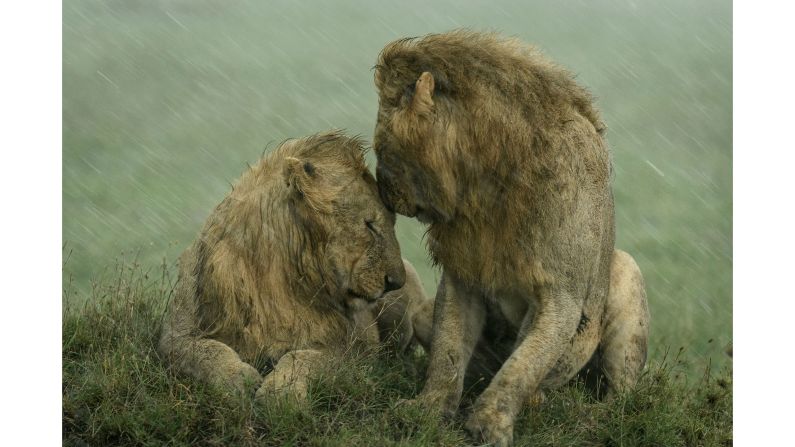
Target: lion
(297, 264)
(503, 155)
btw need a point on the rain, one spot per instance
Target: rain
(165, 103)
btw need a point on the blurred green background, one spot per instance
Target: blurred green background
(164, 103)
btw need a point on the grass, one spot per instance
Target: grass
(116, 391)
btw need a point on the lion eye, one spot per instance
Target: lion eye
(370, 226)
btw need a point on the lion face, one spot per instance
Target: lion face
(336, 199)
(363, 250)
(413, 140)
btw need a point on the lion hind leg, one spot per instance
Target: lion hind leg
(625, 326)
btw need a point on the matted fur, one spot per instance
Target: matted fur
(503, 154)
(295, 260)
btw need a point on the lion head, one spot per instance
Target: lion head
(463, 117)
(411, 139)
(421, 127)
(346, 233)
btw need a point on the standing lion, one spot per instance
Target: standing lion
(503, 154)
(297, 263)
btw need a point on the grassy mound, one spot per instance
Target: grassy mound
(116, 391)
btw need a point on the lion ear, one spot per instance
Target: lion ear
(423, 93)
(302, 178)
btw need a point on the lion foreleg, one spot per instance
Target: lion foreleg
(458, 319)
(518, 379)
(210, 361)
(422, 321)
(406, 315)
(191, 353)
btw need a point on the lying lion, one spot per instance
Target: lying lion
(297, 263)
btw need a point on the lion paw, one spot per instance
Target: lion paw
(295, 389)
(245, 379)
(491, 426)
(432, 403)
(291, 375)
(445, 404)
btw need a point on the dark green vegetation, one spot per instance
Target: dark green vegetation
(117, 392)
(165, 102)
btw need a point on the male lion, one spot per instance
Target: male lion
(502, 153)
(296, 263)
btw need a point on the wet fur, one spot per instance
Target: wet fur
(268, 280)
(503, 154)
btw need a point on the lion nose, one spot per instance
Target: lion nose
(391, 284)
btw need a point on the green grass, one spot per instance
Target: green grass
(165, 102)
(116, 391)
